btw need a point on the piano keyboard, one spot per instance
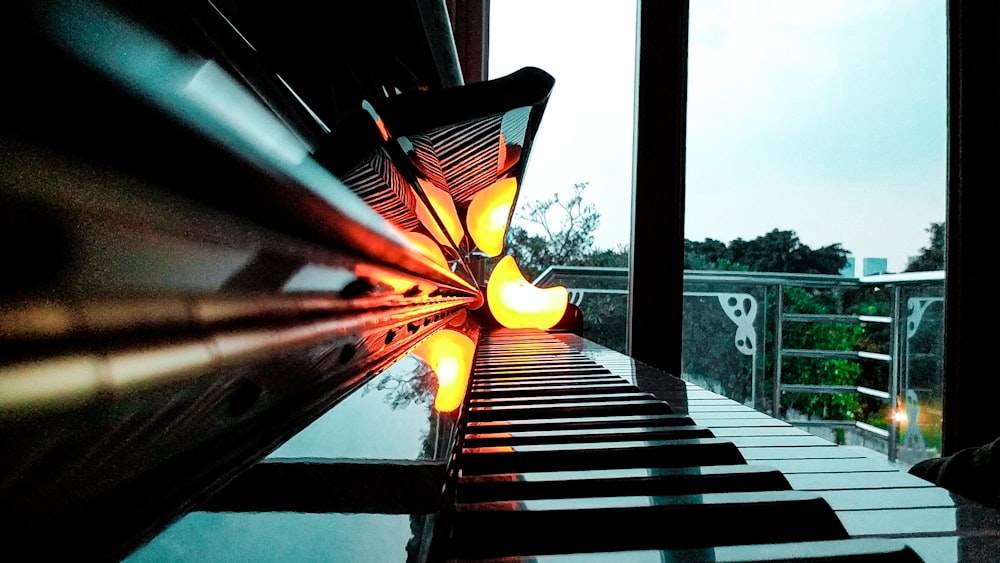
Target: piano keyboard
(561, 453)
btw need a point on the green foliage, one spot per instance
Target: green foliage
(819, 336)
(931, 257)
(710, 356)
(776, 251)
(780, 251)
(605, 320)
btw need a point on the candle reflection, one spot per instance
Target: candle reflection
(449, 354)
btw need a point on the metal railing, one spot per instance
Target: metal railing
(910, 351)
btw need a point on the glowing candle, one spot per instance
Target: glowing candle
(428, 247)
(444, 207)
(488, 214)
(515, 303)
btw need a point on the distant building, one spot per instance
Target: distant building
(874, 266)
(848, 269)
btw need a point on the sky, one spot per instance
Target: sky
(823, 117)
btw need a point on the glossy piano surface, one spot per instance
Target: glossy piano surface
(788, 495)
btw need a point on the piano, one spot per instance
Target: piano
(209, 305)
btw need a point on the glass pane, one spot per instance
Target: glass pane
(824, 118)
(816, 152)
(922, 370)
(583, 146)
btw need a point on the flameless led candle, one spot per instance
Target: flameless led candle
(515, 303)
(428, 247)
(444, 207)
(488, 214)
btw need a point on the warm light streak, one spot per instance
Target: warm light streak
(444, 207)
(515, 303)
(900, 417)
(381, 129)
(449, 353)
(398, 283)
(488, 215)
(428, 247)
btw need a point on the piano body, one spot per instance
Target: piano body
(208, 305)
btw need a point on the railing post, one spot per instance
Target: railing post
(894, 372)
(779, 306)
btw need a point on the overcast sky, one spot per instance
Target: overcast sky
(823, 117)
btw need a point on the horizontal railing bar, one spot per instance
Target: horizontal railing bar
(827, 423)
(874, 392)
(881, 432)
(875, 356)
(834, 354)
(829, 389)
(875, 319)
(809, 388)
(758, 278)
(810, 318)
(821, 354)
(851, 319)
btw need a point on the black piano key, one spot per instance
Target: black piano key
(560, 436)
(623, 421)
(566, 397)
(531, 527)
(598, 455)
(515, 381)
(479, 392)
(619, 482)
(579, 408)
(535, 364)
(531, 371)
(547, 381)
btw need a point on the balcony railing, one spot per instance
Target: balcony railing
(857, 360)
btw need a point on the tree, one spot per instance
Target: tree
(707, 255)
(565, 240)
(782, 251)
(776, 251)
(931, 257)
